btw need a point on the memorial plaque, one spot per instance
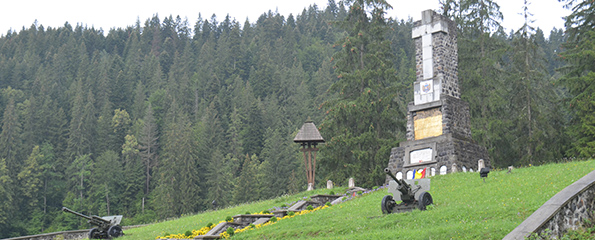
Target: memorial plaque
(427, 124)
(420, 156)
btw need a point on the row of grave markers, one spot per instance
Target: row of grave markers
(330, 185)
(423, 172)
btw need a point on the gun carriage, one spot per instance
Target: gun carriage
(411, 193)
(106, 227)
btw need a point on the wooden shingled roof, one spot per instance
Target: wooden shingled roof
(308, 133)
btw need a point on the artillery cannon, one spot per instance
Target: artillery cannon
(412, 193)
(106, 227)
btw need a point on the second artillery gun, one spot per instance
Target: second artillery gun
(106, 227)
(412, 193)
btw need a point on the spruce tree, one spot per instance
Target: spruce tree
(6, 199)
(579, 76)
(10, 137)
(148, 146)
(178, 186)
(219, 179)
(106, 182)
(30, 180)
(537, 122)
(362, 122)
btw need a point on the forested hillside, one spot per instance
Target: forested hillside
(166, 116)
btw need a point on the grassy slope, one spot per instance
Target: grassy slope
(198, 221)
(465, 207)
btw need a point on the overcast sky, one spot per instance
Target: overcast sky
(107, 14)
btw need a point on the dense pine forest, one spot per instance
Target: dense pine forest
(167, 116)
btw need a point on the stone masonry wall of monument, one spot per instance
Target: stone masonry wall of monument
(456, 118)
(449, 150)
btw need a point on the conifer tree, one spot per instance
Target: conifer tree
(219, 179)
(279, 161)
(148, 145)
(246, 184)
(10, 137)
(579, 76)
(533, 99)
(178, 186)
(53, 184)
(30, 180)
(105, 133)
(76, 137)
(78, 174)
(106, 182)
(6, 199)
(133, 176)
(362, 121)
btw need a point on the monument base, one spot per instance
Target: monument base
(439, 155)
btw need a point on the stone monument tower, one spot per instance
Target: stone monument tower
(438, 125)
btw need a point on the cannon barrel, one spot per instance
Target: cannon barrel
(95, 220)
(387, 171)
(403, 187)
(65, 209)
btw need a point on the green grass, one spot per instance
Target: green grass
(464, 208)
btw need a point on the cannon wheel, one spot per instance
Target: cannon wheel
(424, 200)
(114, 231)
(93, 233)
(387, 205)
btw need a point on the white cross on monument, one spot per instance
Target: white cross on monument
(425, 31)
(424, 89)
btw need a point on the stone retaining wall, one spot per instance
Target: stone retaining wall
(565, 211)
(65, 235)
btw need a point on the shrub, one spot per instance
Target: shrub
(332, 193)
(359, 192)
(209, 225)
(290, 213)
(283, 205)
(309, 208)
(252, 225)
(230, 231)
(247, 212)
(273, 219)
(228, 219)
(188, 233)
(328, 204)
(266, 212)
